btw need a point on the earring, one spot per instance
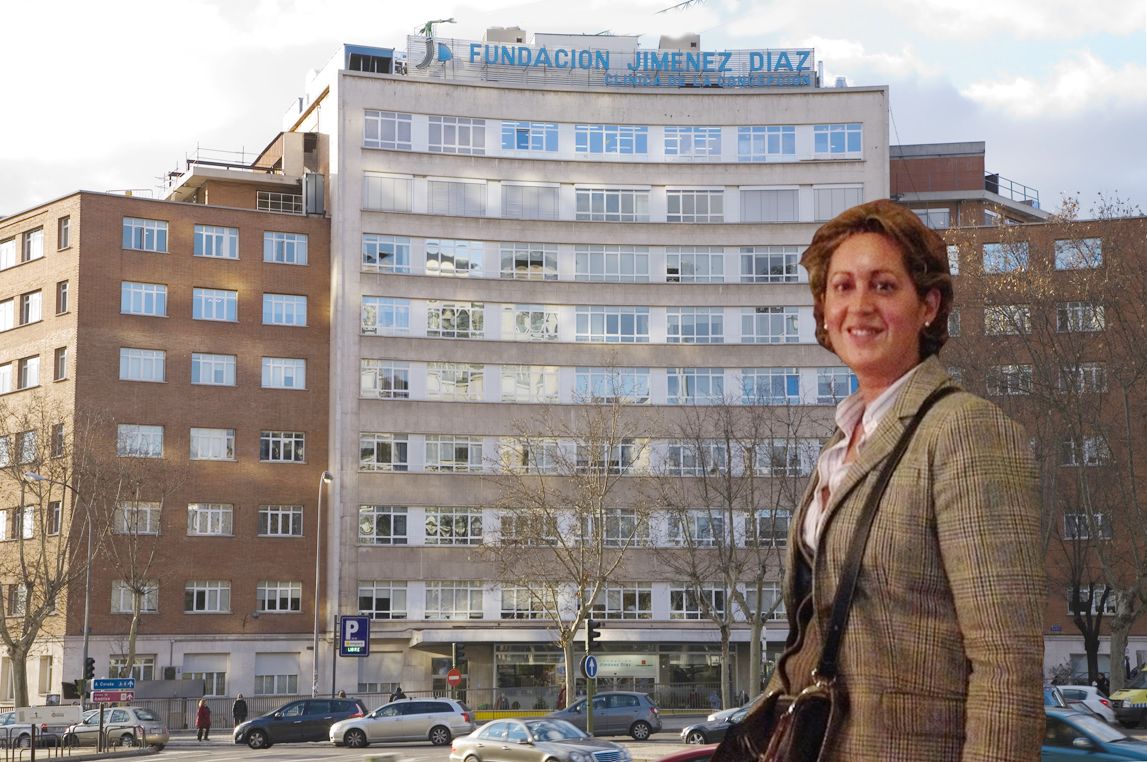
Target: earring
(927, 323)
(825, 326)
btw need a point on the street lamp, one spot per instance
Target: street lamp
(31, 476)
(324, 479)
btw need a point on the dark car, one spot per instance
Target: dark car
(1072, 735)
(302, 720)
(615, 713)
(712, 731)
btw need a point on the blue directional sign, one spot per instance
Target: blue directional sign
(113, 684)
(354, 636)
(589, 666)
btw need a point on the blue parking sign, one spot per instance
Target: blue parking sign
(354, 636)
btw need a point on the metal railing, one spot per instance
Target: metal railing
(1002, 186)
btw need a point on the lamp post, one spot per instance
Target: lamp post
(325, 479)
(31, 476)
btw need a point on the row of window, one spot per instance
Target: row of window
(214, 241)
(472, 382)
(389, 316)
(400, 131)
(1084, 378)
(28, 246)
(1016, 319)
(146, 441)
(150, 365)
(508, 199)
(208, 519)
(1069, 254)
(217, 304)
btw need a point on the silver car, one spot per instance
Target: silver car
(616, 713)
(122, 726)
(437, 720)
(534, 740)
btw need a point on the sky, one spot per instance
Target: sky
(113, 95)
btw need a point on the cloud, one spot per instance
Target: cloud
(1023, 19)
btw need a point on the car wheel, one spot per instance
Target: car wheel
(24, 741)
(158, 747)
(355, 738)
(71, 740)
(127, 739)
(257, 739)
(471, 758)
(440, 735)
(696, 736)
(640, 730)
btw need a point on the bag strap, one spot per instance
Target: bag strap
(842, 603)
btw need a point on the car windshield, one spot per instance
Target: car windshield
(738, 715)
(146, 715)
(554, 730)
(1097, 728)
(1138, 682)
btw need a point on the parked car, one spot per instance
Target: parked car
(301, 720)
(723, 713)
(1053, 697)
(436, 720)
(691, 754)
(615, 713)
(123, 726)
(1091, 697)
(712, 731)
(1130, 703)
(1072, 736)
(13, 735)
(534, 740)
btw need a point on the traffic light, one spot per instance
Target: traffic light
(89, 668)
(591, 633)
(459, 653)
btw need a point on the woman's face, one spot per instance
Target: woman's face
(871, 310)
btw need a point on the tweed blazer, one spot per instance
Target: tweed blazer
(942, 657)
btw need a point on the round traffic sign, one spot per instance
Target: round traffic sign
(454, 677)
(589, 666)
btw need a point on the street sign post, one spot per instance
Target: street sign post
(113, 684)
(112, 697)
(589, 666)
(354, 636)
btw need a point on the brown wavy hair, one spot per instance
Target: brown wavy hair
(925, 258)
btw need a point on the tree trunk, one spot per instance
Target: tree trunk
(1119, 629)
(726, 667)
(18, 654)
(571, 674)
(755, 646)
(132, 632)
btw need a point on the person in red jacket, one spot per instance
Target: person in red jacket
(202, 720)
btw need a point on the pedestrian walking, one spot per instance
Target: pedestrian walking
(239, 709)
(202, 720)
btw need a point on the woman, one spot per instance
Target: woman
(203, 721)
(942, 655)
(239, 710)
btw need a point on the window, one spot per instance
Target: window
(829, 202)
(691, 603)
(1087, 597)
(27, 447)
(612, 204)
(214, 683)
(60, 364)
(5, 378)
(382, 452)
(214, 304)
(524, 527)
(27, 372)
(386, 129)
(834, 384)
(31, 307)
(210, 519)
(384, 379)
(768, 205)
(1007, 320)
(54, 518)
(521, 603)
(529, 261)
(143, 669)
(609, 263)
(207, 597)
(58, 441)
(387, 193)
(382, 525)
(63, 232)
(530, 455)
(954, 323)
(217, 242)
(695, 458)
(953, 259)
(385, 253)
(613, 325)
(769, 325)
(457, 134)
(383, 316)
(1088, 451)
(142, 365)
(695, 325)
(454, 258)
(380, 599)
(611, 139)
(1085, 378)
(1005, 257)
(768, 528)
(695, 386)
(529, 383)
(521, 201)
(280, 521)
(1083, 526)
(7, 253)
(284, 373)
(454, 600)
(453, 454)
(279, 597)
(33, 245)
(769, 264)
(695, 205)
(454, 381)
(61, 297)
(1079, 317)
(766, 143)
(770, 386)
(1009, 380)
(633, 601)
(1079, 254)
(145, 235)
(282, 446)
(529, 322)
(937, 219)
(23, 522)
(136, 518)
(529, 136)
(5, 451)
(138, 441)
(696, 264)
(212, 444)
(124, 597)
(453, 526)
(785, 457)
(143, 299)
(7, 315)
(212, 370)
(284, 309)
(624, 385)
(836, 139)
(618, 458)
(457, 197)
(285, 248)
(276, 685)
(455, 320)
(693, 143)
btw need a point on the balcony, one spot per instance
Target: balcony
(1010, 189)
